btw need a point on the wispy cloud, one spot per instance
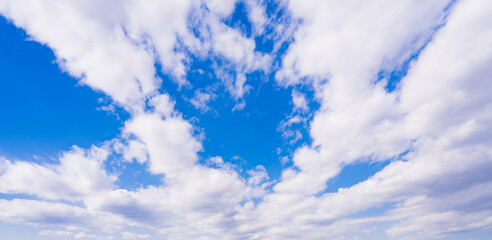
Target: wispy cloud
(433, 130)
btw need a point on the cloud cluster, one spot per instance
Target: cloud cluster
(79, 173)
(434, 125)
(433, 130)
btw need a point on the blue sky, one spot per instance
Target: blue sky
(48, 111)
(245, 119)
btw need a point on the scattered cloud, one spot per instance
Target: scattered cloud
(78, 173)
(299, 101)
(432, 131)
(201, 100)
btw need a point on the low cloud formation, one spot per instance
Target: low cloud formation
(432, 129)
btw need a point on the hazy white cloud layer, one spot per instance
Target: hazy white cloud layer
(432, 130)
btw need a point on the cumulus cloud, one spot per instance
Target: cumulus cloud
(116, 52)
(86, 41)
(50, 214)
(433, 130)
(170, 143)
(78, 173)
(434, 117)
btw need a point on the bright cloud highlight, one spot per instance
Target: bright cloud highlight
(381, 112)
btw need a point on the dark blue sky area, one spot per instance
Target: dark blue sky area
(42, 110)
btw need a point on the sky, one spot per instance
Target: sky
(254, 119)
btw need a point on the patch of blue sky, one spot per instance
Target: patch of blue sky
(278, 15)
(291, 143)
(353, 174)
(358, 172)
(394, 76)
(251, 133)
(131, 175)
(246, 137)
(13, 196)
(43, 110)
(373, 211)
(239, 20)
(265, 41)
(58, 113)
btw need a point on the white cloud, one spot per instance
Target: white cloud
(170, 143)
(115, 52)
(439, 116)
(55, 233)
(86, 42)
(239, 51)
(193, 204)
(49, 214)
(299, 101)
(290, 128)
(352, 39)
(257, 16)
(162, 104)
(222, 8)
(83, 235)
(234, 51)
(159, 24)
(347, 43)
(130, 235)
(133, 150)
(441, 113)
(79, 172)
(201, 99)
